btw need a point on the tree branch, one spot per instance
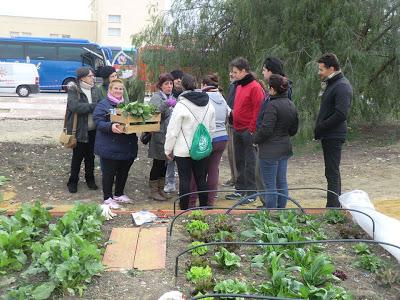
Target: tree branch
(382, 68)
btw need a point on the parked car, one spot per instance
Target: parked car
(20, 78)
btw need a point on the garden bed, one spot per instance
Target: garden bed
(273, 270)
(345, 270)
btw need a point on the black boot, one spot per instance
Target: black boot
(91, 184)
(72, 187)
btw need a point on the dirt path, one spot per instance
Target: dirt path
(38, 169)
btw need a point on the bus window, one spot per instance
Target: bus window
(11, 51)
(41, 52)
(70, 53)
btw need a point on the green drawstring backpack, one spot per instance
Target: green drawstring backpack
(201, 142)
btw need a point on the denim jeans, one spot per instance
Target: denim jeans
(332, 149)
(273, 173)
(170, 173)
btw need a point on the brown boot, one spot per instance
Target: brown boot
(154, 194)
(161, 184)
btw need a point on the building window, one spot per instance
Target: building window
(14, 33)
(26, 34)
(114, 31)
(114, 18)
(66, 36)
(54, 35)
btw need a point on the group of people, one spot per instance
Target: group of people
(255, 123)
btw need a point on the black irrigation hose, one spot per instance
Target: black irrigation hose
(277, 244)
(202, 208)
(244, 200)
(222, 191)
(241, 296)
(264, 208)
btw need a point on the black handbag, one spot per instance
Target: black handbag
(145, 137)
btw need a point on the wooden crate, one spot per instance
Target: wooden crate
(136, 125)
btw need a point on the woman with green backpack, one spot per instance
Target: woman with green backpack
(188, 139)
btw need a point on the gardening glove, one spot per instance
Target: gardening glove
(106, 212)
(171, 101)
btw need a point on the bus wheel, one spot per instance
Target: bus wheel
(23, 91)
(67, 82)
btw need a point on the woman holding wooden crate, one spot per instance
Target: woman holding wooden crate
(116, 149)
(164, 101)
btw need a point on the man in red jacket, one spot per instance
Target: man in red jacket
(248, 98)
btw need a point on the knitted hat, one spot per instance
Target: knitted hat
(106, 71)
(177, 74)
(82, 72)
(275, 65)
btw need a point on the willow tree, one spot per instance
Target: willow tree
(206, 34)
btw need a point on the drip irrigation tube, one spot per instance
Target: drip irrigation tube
(254, 191)
(246, 296)
(302, 209)
(277, 244)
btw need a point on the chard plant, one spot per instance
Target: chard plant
(318, 272)
(335, 216)
(226, 259)
(232, 286)
(361, 248)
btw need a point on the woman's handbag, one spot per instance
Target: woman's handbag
(69, 140)
(145, 137)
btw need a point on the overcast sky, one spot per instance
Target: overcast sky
(61, 9)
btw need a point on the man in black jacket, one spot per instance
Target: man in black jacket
(331, 126)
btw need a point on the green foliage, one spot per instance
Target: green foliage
(232, 286)
(226, 259)
(361, 248)
(200, 250)
(67, 256)
(197, 215)
(3, 180)
(197, 229)
(318, 272)
(335, 216)
(17, 234)
(330, 292)
(201, 277)
(140, 110)
(136, 89)
(206, 35)
(369, 262)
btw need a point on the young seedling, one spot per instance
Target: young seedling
(369, 262)
(200, 250)
(197, 229)
(361, 248)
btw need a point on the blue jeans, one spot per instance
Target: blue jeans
(273, 173)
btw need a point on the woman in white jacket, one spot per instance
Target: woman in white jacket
(193, 107)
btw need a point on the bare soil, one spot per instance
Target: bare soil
(38, 167)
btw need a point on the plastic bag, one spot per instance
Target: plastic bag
(142, 217)
(172, 295)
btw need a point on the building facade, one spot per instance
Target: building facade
(44, 27)
(118, 21)
(112, 22)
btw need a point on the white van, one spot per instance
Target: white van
(19, 78)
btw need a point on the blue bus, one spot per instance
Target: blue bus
(123, 59)
(55, 58)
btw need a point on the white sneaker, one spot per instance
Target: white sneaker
(169, 188)
(111, 203)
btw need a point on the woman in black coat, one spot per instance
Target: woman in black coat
(279, 123)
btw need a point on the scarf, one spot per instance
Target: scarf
(85, 85)
(324, 82)
(113, 99)
(245, 80)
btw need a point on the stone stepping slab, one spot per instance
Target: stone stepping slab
(136, 248)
